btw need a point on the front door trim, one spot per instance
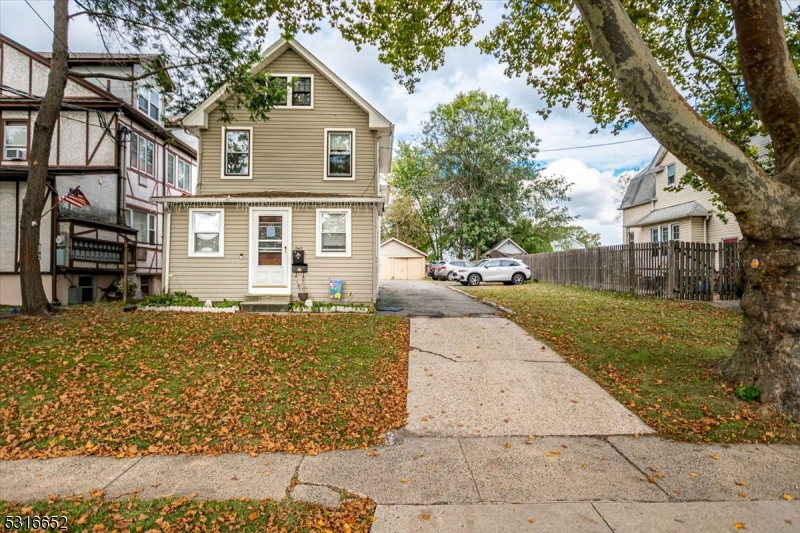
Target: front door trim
(286, 212)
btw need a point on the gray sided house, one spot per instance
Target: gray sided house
(110, 140)
(304, 183)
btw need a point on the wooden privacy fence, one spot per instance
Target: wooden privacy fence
(683, 270)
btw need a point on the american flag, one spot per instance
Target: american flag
(75, 197)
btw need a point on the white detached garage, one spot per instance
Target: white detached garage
(401, 261)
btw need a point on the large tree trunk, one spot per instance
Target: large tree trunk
(34, 299)
(766, 208)
(768, 354)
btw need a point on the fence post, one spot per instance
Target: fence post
(671, 268)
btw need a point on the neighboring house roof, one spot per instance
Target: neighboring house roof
(199, 116)
(642, 188)
(567, 244)
(675, 212)
(105, 58)
(496, 249)
(404, 244)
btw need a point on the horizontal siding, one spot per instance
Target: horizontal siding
(219, 278)
(718, 230)
(288, 149)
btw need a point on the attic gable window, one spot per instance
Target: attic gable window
(148, 101)
(299, 90)
(238, 155)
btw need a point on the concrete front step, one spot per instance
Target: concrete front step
(264, 303)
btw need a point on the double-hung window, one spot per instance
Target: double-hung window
(145, 225)
(671, 175)
(654, 235)
(333, 232)
(206, 237)
(631, 237)
(149, 102)
(15, 140)
(676, 232)
(142, 154)
(238, 155)
(664, 233)
(170, 169)
(339, 154)
(184, 175)
(298, 91)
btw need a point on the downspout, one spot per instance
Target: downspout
(705, 229)
(122, 182)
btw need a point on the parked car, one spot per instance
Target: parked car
(508, 271)
(447, 270)
(429, 271)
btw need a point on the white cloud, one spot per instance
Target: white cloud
(592, 196)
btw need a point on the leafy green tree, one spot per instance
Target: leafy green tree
(402, 221)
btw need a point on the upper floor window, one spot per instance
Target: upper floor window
(299, 90)
(142, 154)
(184, 175)
(339, 154)
(671, 175)
(149, 102)
(181, 179)
(15, 140)
(237, 158)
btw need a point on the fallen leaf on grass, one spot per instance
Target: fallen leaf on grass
(740, 483)
(741, 494)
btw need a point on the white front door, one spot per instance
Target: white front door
(270, 235)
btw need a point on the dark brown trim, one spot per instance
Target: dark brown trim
(16, 273)
(2, 58)
(16, 230)
(30, 75)
(96, 147)
(28, 103)
(58, 133)
(86, 144)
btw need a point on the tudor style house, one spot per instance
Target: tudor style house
(283, 206)
(111, 141)
(651, 214)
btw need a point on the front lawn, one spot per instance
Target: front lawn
(103, 382)
(658, 357)
(96, 514)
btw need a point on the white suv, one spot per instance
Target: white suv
(508, 271)
(447, 271)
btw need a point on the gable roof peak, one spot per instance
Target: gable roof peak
(199, 116)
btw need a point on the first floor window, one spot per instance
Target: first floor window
(630, 237)
(237, 153)
(333, 232)
(145, 224)
(339, 157)
(205, 232)
(664, 233)
(15, 139)
(676, 232)
(184, 175)
(654, 234)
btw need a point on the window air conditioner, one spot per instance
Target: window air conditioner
(16, 154)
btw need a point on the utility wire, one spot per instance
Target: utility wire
(594, 145)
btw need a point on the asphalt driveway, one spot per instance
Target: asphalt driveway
(427, 298)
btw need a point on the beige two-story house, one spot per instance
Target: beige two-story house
(283, 206)
(652, 214)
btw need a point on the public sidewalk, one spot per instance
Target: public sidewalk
(502, 435)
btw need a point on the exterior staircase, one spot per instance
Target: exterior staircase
(261, 303)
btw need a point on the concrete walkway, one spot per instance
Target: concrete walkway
(502, 435)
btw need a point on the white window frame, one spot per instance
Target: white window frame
(223, 166)
(6, 147)
(187, 184)
(674, 168)
(657, 233)
(140, 141)
(348, 235)
(672, 228)
(662, 228)
(147, 93)
(150, 223)
(631, 237)
(352, 176)
(171, 166)
(221, 252)
(289, 77)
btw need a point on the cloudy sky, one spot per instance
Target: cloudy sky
(592, 171)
